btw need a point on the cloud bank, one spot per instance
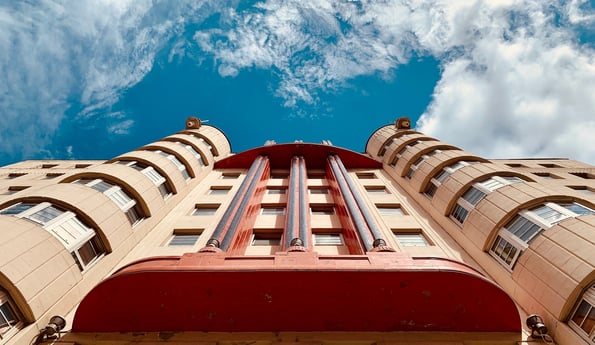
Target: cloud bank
(516, 80)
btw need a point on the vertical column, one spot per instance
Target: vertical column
(237, 210)
(358, 212)
(296, 237)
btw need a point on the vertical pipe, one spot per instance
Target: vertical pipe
(304, 207)
(352, 208)
(378, 240)
(246, 198)
(223, 226)
(291, 218)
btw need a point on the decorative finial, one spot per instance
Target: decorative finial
(192, 123)
(403, 123)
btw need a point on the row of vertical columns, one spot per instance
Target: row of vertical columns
(297, 237)
(236, 211)
(360, 215)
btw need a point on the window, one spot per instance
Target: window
(515, 165)
(549, 165)
(582, 189)
(48, 166)
(526, 225)
(279, 176)
(79, 239)
(316, 175)
(81, 166)
(205, 210)
(195, 153)
(157, 179)
(123, 200)
(390, 210)
(15, 175)
(14, 189)
(440, 176)
(219, 190)
(52, 175)
(410, 239)
(395, 159)
(184, 237)
(583, 317)
(386, 146)
(229, 176)
(322, 209)
(10, 322)
(207, 142)
(365, 175)
(276, 190)
(314, 190)
(266, 238)
(586, 176)
(177, 163)
(376, 190)
(327, 239)
(546, 176)
(272, 210)
(477, 192)
(418, 162)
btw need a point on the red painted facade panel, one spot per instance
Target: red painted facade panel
(297, 292)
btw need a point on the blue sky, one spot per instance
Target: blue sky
(94, 79)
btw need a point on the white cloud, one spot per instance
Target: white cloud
(515, 80)
(55, 55)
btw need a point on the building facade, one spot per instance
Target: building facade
(412, 242)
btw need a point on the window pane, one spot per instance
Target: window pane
(102, 186)
(7, 316)
(333, 239)
(45, 215)
(459, 213)
(581, 313)
(322, 210)
(184, 240)
(576, 208)
(473, 196)
(411, 239)
(18, 208)
(390, 210)
(273, 211)
(266, 239)
(204, 211)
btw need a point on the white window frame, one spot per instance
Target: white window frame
(181, 166)
(588, 298)
(418, 162)
(195, 153)
(442, 175)
(420, 239)
(268, 210)
(158, 180)
(543, 223)
(383, 210)
(67, 229)
(328, 239)
(125, 202)
(8, 331)
(486, 187)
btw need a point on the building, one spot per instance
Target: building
(412, 242)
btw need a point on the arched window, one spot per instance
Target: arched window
(125, 202)
(515, 236)
(10, 320)
(582, 319)
(441, 175)
(157, 179)
(79, 239)
(478, 191)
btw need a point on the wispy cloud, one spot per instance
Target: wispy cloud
(513, 71)
(56, 55)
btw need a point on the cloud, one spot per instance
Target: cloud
(512, 71)
(70, 60)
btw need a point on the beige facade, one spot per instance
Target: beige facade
(526, 224)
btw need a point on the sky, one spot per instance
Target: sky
(497, 78)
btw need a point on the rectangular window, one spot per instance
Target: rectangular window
(15, 175)
(582, 189)
(274, 190)
(327, 239)
(45, 215)
(411, 239)
(313, 190)
(81, 166)
(459, 213)
(266, 238)
(272, 210)
(547, 176)
(365, 175)
(184, 237)
(230, 176)
(322, 209)
(18, 208)
(205, 210)
(48, 166)
(376, 190)
(390, 210)
(219, 190)
(583, 318)
(8, 318)
(52, 175)
(473, 196)
(586, 176)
